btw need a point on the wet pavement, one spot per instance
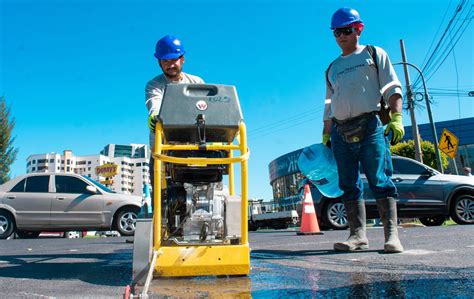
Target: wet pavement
(272, 280)
(438, 262)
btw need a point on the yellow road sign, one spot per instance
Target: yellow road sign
(448, 143)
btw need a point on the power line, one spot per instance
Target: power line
(285, 124)
(437, 31)
(434, 67)
(435, 52)
(450, 50)
(285, 120)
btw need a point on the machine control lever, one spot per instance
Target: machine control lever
(201, 127)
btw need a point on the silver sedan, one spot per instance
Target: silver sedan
(38, 202)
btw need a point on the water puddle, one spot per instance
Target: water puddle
(269, 279)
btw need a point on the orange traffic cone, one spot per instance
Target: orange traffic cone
(309, 221)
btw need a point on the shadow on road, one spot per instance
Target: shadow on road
(111, 269)
(290, 254)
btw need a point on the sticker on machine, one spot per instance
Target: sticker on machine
(201, 105)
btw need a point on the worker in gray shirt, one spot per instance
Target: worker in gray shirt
(170, 54)
(356, 82)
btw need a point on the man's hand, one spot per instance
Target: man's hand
(327, 140)
(152, 121)
(396, 126)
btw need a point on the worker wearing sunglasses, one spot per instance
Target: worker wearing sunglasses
(356, 81)
(345, 31)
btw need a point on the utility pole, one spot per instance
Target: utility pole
(414, 126)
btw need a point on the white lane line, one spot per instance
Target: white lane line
(418, 252)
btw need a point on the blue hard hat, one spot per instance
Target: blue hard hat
(344, 17)
(169, 47)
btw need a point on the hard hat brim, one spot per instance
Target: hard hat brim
(346, 24)
(169, 56)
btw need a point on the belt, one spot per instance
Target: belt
(354, 119)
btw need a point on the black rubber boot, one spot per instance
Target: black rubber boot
(388, 214)
(357, 240)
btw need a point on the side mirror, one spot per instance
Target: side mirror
(91, 190)
(429, 172)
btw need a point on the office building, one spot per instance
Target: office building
(122, 168)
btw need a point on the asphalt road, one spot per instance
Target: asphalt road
(437, 262)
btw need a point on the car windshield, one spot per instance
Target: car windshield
(102, 187)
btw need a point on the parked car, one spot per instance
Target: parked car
(60, 202)
(424, 193)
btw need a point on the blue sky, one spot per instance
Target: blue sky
(74, 72)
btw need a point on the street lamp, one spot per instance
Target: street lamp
(428, 107)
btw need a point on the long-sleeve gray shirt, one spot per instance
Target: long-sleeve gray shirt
(355, 87)
(155, 89)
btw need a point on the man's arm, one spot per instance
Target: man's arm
(327, 127)
(395, 126)
(326, 118)
(153, 97)
(395, 103)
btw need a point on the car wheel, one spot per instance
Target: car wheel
(462, 210)
(432, 221)
(7, 226)
(335, 216)
(279, 225)
(22, 234)
(126, 222)
(252, 227)
(72, 234)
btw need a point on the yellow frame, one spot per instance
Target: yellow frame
(197, 260)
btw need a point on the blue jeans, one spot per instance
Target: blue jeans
(373, 154)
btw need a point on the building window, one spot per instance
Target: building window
(88, 168)
(51, 160)
(88, 162)
(68, 162)
(33, 168)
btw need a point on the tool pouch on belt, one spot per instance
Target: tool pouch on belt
(353, 130)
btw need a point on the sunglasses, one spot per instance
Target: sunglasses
(346, 31)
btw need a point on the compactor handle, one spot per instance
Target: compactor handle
(201, 90)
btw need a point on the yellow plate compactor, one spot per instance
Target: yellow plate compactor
(199, 224)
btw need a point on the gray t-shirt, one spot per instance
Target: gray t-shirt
(155, 89)
(355, 88)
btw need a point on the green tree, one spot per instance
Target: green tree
(7, 151)
(407, 149)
